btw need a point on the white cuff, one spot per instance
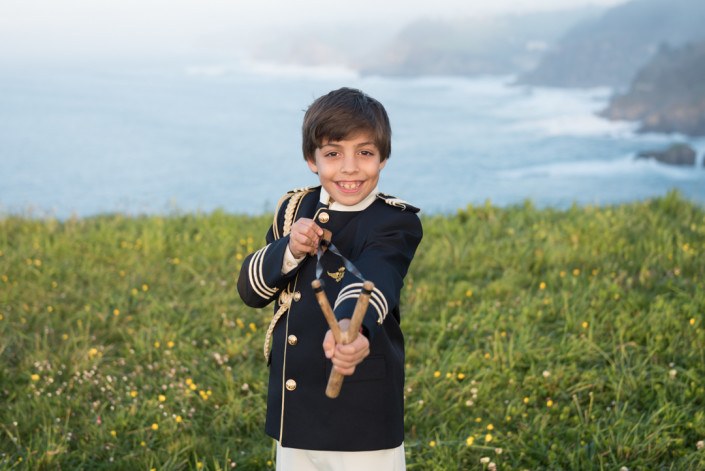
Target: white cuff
(290, 262)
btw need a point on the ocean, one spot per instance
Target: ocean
(190, 137)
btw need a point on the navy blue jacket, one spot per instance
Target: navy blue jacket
(369, 413)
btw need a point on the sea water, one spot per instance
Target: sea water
(178, 137)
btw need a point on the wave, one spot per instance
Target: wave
(561, 112)
(577, 125)
(273, 69)
(210, 70)
(628, 165)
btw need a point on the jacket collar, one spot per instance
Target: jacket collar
(335, 206)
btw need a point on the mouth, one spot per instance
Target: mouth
(349, 187)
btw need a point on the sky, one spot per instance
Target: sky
(59, 28)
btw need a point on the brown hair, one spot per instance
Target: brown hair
(341, 114)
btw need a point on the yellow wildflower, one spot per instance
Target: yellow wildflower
(432, 443)
(133, 393)
(170, 344)
(470, 440)
(113, 433)
(542, 286)
(155, 426)
(35, 377)
(488, 438)
(179, 419)
(162, 398)
(549, 403)
(116, 312)
(436, 374)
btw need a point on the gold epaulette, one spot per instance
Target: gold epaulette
(397, 203)
(293, 201)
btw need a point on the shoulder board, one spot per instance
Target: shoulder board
(292, 200)
(397, 203)
(306, 189)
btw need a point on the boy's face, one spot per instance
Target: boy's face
(348, 169)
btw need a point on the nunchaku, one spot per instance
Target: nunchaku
(335, 380)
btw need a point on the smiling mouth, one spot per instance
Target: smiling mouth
(349, 186)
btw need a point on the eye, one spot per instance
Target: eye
(367, 153)
(331, 154)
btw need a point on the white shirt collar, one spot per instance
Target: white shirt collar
(335, 206)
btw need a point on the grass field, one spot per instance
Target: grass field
(536, 339)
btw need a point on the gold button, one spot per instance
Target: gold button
(297, 296)
(290, 384)
(292, 339)
(323, 217)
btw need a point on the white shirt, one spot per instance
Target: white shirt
(290, 262)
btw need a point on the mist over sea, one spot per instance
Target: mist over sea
(197, 137)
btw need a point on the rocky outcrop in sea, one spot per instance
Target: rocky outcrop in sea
(668, 94)
(676, 154)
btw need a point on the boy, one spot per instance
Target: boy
(346, 142)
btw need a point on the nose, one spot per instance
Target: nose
(349, 164)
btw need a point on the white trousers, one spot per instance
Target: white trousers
(295, 459)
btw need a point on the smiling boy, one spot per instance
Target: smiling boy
(346, 142)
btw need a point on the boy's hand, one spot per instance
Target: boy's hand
(346, 357)
(304, 238)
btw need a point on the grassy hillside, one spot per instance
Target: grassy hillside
(536, 339)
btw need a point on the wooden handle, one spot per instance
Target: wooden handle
(326, 239)
(317, 286)
(359, 313)
(335, 380)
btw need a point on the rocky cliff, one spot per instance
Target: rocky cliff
(668, 94)
(609, 50)
(478, 46)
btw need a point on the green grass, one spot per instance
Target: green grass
(536, 338)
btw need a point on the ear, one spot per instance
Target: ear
(383, 163)
(312, 165)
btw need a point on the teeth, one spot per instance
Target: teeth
(349, 186)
